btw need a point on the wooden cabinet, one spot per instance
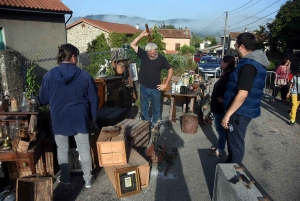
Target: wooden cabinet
(110, 91)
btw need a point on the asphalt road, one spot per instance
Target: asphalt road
(272, 157)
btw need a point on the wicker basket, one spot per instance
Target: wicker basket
(16, 170)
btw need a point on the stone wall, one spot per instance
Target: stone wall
(12, 81)
(81, 34)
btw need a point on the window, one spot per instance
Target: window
(177, 46)
(1, 39)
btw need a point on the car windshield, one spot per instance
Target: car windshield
(209, 60)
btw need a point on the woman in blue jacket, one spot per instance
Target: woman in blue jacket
(72, 96)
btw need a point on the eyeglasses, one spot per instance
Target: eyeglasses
(151, 53)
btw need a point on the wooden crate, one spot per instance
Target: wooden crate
(111, 151)
(34, 189)
(137, 132)
(135, 160)
(17, 170)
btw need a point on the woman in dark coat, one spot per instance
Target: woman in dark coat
(227, 65)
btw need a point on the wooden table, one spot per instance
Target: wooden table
(189, 96)
(30, 158)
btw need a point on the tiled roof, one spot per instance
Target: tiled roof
(107, 26)
(47, 5)
(175, 33)
(234, 35)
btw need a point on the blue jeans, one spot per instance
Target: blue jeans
(237, 127)
(83, 146)
(154, 96)
(221, 131)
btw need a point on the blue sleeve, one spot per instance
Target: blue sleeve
(44, 91)
(93, 98)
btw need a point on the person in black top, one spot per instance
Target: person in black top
(227, 65)
(149, 77)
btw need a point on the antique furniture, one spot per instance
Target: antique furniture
(110, 91)
(22, 161)
(189, 99)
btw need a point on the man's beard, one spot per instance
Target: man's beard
(154, 57)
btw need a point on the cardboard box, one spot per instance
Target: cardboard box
(135, 160)
(111, 151)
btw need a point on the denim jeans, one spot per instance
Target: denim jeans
(83, 146)
(154, 96)
(221, 131)
(237, 127)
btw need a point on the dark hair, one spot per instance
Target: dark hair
(65, 53)
(230, 60)
(248, 40)
(284, 61)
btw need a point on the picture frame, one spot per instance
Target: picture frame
(133, 72)
(128, 181)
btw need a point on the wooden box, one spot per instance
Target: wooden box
(34, 189)
(137, 132)
(111, 151)
(135, 160)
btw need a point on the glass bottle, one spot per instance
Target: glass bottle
(24, 103)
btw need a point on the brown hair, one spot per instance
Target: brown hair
(65, 53)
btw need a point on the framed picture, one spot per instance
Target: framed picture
(133, 72)
(128, 182)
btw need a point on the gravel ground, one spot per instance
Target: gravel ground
(272, 157)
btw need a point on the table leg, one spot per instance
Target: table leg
(32, 163)
(174, 111)
(171, 110)
(192, 104)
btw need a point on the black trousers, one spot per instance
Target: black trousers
(283, 92)
(237, 127)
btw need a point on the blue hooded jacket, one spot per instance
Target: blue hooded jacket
(251, 106)
(73, 99)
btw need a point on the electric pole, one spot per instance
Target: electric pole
(224, 41)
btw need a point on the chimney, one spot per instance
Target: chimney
(137, 26)
(185, 31)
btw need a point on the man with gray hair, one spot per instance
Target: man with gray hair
(149, 77)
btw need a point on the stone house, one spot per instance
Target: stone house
(83, 31)
(174, 39)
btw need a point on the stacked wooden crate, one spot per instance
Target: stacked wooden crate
(127, 170)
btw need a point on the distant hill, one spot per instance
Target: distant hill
(198, 26)
(193, 25)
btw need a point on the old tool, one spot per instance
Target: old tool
(155, 152)
(169, 159)
(148, 31)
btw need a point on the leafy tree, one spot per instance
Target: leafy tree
(187, 49)
(196, 40)
(284, 30)
(98, 51)
(262, 37)
(163, 26)
(117, 39)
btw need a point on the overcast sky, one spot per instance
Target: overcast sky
(207, 15)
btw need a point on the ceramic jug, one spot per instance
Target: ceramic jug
(185, 78)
